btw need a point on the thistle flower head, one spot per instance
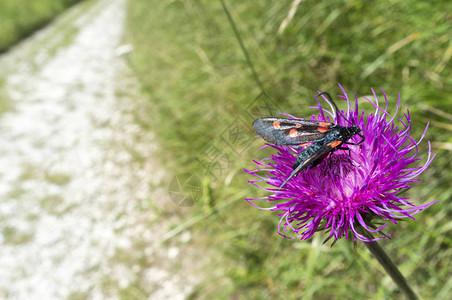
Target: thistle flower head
(347, 189)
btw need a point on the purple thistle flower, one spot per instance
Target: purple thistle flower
(346, 190)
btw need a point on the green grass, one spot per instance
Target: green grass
(20, 18)
(201, 97)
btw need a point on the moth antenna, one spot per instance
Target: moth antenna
(328, 96)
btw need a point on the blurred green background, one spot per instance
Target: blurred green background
(201, 93)
(20, 18)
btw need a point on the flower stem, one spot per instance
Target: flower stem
(390, 268)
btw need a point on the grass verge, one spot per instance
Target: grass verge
(19, 19)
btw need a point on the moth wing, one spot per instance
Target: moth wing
(321, 150)
(280, 131)
(316, 157)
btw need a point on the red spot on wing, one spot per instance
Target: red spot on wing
(322, 129)
(334, 144)
(276, 125)
(304, 145)
(293, 133)
(298, 125)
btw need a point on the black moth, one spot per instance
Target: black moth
(324, 136)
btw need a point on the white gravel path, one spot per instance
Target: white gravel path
(76, 215)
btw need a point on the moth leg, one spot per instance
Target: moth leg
(358, 143)
(349, 155)
(329, 158)
(345, 148)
